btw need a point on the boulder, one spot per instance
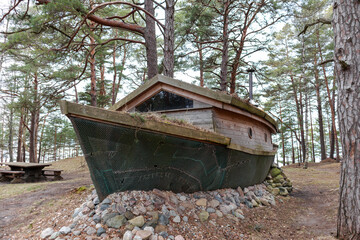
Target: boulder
(275, 172)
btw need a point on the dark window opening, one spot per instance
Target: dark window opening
(165, 101)
(250, 132)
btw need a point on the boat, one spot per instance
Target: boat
(201, 139)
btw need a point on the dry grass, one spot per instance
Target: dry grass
(69, 166)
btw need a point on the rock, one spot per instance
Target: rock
(137, 221)
(144, 234)
(240, 191)
(151, 223)
(46, 233)
(275, 191)
(76, 233)
(128, 235)
(107, 216)
(185, 218)
(239, 214)
(65, 230)
(160, 228)
(151, 229)
(172, 213)
(201, 202)
(176, 219)
(90, 230)
(283, 191)
(96, 201)
(210, 210)
(106, 201)
(154, 215)
(275, 172)
(214, 203)
(129, 215)
(174, 199)
(164, 220)
(76, 212)
(264, 202)
(254, 203)
(179, 237)
(104, 206)
(182, 198)
(203, 216)
(116, 222)
(219, 213)
(278, 179)
(55, 235)
(100, 231)
(96, 218)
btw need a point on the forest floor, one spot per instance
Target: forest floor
(308, 213)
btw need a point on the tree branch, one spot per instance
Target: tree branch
(320, 20)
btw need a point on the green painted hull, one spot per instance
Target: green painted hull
(127, 158)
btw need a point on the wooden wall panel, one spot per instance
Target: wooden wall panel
(237, 127)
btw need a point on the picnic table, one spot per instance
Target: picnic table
(32, 171)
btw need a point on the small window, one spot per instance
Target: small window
(250, 132)
(265, 136)
(165, 101)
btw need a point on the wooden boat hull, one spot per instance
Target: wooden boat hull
(124, 157)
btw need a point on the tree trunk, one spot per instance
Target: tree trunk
(11, 138)
(225, 48)
(34, 124)
(169, 38)
(92, 70)
(201, 64)
(331, 102)
(113, 91)
(292, 148)
(20, 138)
(319, 110)
(347, 73)
(150, 41)
(282, 138)
(312, 135)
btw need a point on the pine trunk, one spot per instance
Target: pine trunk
(225, 49)
(150, 41)
(169, 38)
(20, 137)
(346, 25)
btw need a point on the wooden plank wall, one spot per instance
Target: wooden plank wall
(237, 126)
(202, 117)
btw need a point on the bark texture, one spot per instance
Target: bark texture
(346, 25)
(150, 40)
(169, 38)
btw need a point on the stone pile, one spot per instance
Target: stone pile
(277, 183)
(156, 215)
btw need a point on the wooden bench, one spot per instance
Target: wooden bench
(56, 173)
(15, 175)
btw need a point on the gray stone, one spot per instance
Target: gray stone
(283, 191)
(76, 212)
(46, 233)
(116, 222)
(100, 231)
(106, 201)
(164, 234)
(96, 201)
(104, 206)
(172, 213)
(108, 216)
(65, 230)
(179, 237)
(96, 218)
(176, 219)
(210, 210)
(76, 233)
(54, 235)
(185, 218)
(183, 198)
(128, 235)
(164, 220)
(90, 230)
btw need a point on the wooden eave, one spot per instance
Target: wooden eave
(160, 82)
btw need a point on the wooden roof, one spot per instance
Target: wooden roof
(162, 83)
